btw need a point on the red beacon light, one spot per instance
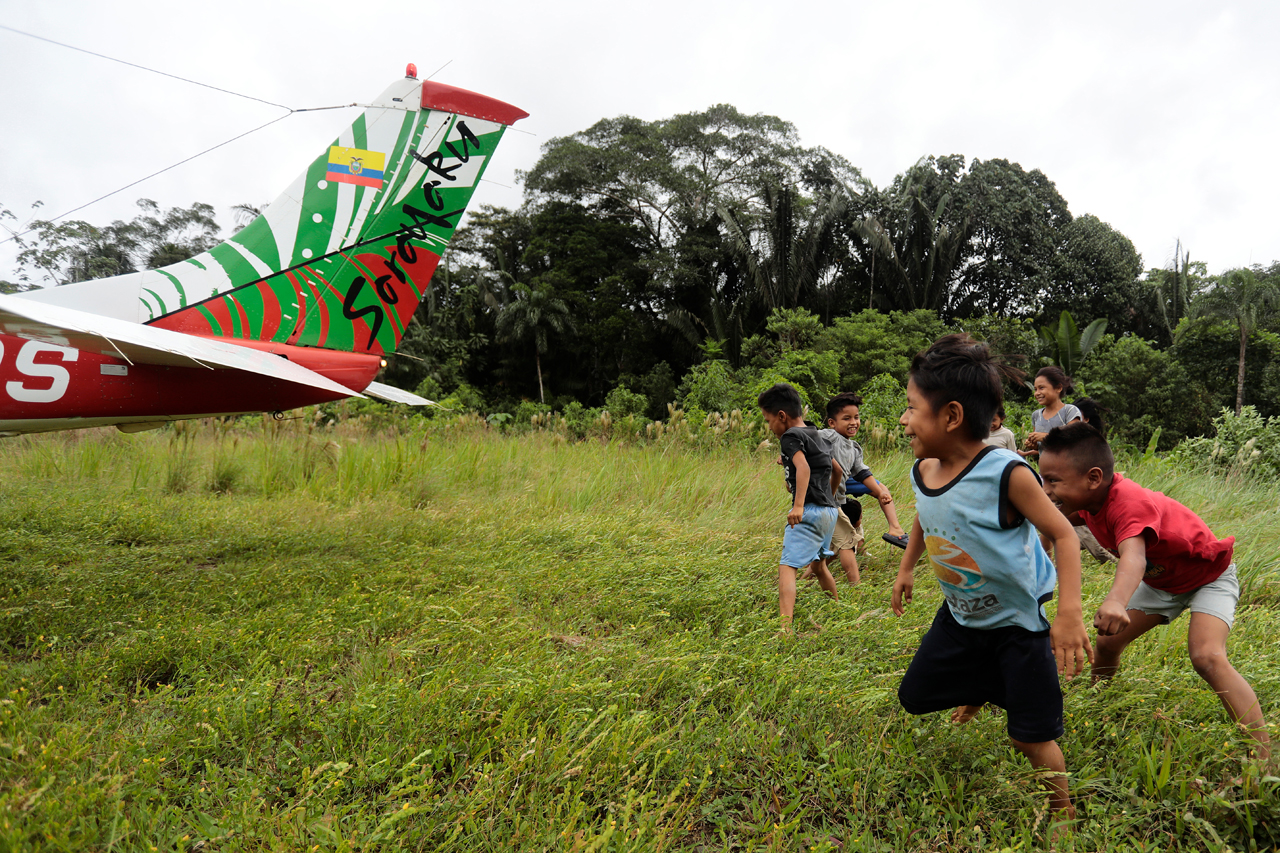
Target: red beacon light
(411, 71)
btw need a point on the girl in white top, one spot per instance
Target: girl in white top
(1051, 383)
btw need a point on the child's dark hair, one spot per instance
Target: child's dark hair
(1083, 445)
(840, 401)
(1000, 413)
(1057, 377)
(1092, 413)
(959, 369)
(781, 398)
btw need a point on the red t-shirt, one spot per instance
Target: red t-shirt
(1182, 552)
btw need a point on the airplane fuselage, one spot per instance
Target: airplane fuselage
(44, 387)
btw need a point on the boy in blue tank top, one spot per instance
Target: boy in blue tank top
(978, 509)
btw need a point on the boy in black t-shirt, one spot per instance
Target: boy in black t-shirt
(811, 479)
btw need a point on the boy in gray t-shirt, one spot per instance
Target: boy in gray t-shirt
(843, 422)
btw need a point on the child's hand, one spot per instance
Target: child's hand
(1071, 647)
(794, 517)
(902, 586)
(885, 497)
(1111, 618)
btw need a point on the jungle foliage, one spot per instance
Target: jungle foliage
(684, 261)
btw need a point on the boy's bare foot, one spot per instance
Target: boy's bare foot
(965, 713)
(1062, 827)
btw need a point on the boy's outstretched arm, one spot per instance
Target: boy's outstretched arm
(905, 580)
(1112, 616)
(1067, 635)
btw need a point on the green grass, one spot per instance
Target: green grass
(287, 639)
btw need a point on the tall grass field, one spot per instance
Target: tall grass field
(255, 638)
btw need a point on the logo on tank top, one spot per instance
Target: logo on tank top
(953, 565)
(961, 578)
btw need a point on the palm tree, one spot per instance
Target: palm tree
(921, 260)
(529, 317)
(1239, 297)
(244, 213)
(787, 257)
(1175, 288)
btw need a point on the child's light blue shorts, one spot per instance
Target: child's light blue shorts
(810, 539)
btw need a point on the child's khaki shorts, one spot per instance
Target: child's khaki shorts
(846, 537)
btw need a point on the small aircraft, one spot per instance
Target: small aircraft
(299, 307)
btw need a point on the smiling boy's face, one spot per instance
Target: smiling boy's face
(925, 427)
(1071, 489)
(847, 421)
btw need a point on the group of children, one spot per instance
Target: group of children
(822, 522)
(989, 524)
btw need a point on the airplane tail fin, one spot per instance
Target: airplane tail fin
(342, 258)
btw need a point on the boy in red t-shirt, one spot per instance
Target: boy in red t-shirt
(1169, 562)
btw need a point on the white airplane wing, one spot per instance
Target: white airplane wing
(395, 395)
(67, 327)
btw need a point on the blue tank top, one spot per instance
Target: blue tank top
(993, 574)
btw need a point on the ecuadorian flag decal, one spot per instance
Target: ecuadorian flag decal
(356, 166)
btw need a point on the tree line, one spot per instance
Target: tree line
(664, 257)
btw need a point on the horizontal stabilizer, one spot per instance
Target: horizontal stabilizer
(67, 327)
(395, 395)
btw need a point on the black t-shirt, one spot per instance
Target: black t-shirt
(817, 452)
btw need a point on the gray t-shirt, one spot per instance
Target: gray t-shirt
(848, 453)
(1065, 415)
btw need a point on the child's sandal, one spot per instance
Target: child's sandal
(899, 541)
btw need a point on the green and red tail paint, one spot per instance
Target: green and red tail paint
(296, 309)
(342, 258)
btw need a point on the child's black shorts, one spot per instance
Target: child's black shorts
(1010, 667)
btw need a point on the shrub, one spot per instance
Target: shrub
(622, 402)
(884, 399)
(709, 386)
(869, 343)
(1146, 390)
(462, 400)
(430, 389)
(1244, 444)
(817, 373)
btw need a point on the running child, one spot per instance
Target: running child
(844, 419)
(811, 480)
(1050, 384)
(1169, 561)
(978, 509)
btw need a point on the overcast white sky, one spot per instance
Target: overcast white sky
(1158, 117)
